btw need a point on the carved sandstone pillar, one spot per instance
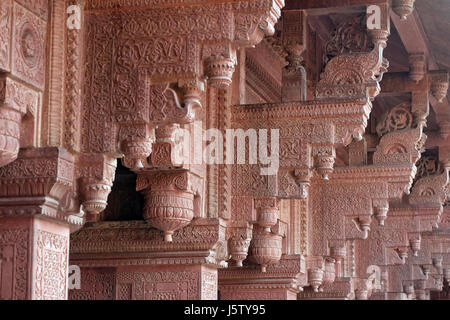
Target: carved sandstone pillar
(38, 208)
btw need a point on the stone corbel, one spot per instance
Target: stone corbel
(403, 8)
(380, 210)
(167, 114)
(16, 102)
(219, 65)
(439, 84)
(338, 250)
(169, 199)
(420, 107)
(362, 224)
(316, 266)
(239, 239)
(415, 244)
(96, 173)
(408, 289)
(420, 289)
(324, 157)
(437, 262)
(266, 248)
(399, 255)
(430, 189)
(357, 74)
(400, 146)
(417, 66)
(321, 272)
(135, 145)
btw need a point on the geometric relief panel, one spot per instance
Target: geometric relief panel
(14, 264)
(181, 285)
(96, 284)
(51, 266)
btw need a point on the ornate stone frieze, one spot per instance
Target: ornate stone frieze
(108, 243)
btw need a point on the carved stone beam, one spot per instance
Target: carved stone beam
(18, 104)
(281, 281)
(414, 39)
(432, 87)
(398, 82)
(133, 253)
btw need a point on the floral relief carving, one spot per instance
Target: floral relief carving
(397, 118)
(28, 59)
